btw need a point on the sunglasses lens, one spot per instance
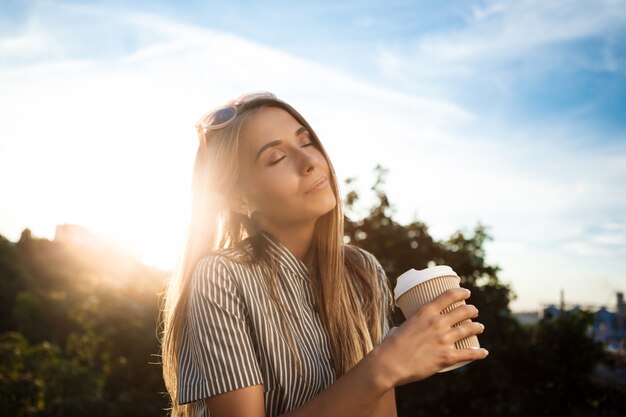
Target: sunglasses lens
(221, 116)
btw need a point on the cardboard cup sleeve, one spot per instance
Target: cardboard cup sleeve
(415, 288)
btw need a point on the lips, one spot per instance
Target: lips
(319, 183)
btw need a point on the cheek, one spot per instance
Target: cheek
(275, 189)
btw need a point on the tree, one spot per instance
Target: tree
(79, 338)
(36, 380)
(564, 358)
(11, 282)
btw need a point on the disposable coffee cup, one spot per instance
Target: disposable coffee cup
(415, 288)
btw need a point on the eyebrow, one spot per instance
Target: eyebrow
(277, 142)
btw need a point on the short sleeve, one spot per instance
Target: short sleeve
(216, 354)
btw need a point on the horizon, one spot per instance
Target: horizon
(120, 248)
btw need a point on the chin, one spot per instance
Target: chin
(320, 208)
(329, 204)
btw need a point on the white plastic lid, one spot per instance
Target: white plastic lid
(413, 277)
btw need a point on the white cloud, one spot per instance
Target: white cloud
(490, 9)
(23, 44)
(504, 31)
(30, 41)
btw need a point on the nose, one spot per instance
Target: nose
(309, 161)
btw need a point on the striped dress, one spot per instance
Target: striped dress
(233, 336)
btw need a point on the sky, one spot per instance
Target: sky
(508, 113)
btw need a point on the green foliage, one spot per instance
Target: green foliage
(11, 282)
(563, 360)
(80, 336)
(36, 380)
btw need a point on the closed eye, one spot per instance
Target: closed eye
(310, 142)
(277, 161)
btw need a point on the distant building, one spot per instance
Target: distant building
(76, 235)
(80, 236)
(527, 317)
(551, 311)
(608, 327)
(112, 260)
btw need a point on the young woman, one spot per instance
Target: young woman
(269, 312)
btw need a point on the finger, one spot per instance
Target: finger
(464, 330)
(449, 297)
(459, 314)
(454, 356)
(471, 354)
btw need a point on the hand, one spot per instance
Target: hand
(424, 343)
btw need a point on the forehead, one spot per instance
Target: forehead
(268, 124)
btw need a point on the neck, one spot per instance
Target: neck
(297, 239)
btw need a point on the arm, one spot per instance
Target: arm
(386, 407)
(420, 347)
(359, 392)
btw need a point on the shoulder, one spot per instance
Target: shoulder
(225, 258)
(366, 256)
(217, 269)
(210, 273)
(228, 267)
(378, 273)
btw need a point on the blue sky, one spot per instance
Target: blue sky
(576, 72)
(505, 112)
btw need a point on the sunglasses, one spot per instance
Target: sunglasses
(222, 116)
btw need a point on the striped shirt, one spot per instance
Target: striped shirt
(233, 336)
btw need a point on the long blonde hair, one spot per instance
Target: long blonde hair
(346, 289)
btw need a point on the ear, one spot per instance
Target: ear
(239, 203)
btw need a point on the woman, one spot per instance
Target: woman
(269, 312)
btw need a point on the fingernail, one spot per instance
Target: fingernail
(486, 352)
